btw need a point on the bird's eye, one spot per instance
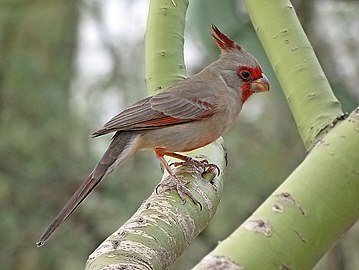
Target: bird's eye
(245, 74)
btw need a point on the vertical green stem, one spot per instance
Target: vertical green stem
(164, 41)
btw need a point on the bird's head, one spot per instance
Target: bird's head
(239, 68)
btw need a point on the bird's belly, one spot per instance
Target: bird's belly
(182, 137)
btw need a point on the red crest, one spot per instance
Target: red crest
(224, 42)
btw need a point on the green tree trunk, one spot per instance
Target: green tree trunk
(319, 201)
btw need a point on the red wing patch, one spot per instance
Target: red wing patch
(156, 112)
(153, 123)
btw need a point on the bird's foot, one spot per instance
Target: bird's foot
(173, 182)
(199, 166)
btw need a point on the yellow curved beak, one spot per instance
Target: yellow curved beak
(260, 85)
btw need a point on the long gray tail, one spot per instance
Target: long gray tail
(122, 146)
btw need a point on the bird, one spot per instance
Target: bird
(188, 115)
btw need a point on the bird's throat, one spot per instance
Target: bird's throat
(246, 92)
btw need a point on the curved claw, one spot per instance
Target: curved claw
(156, 188)
(200, 206)
(213, 166)
(177, 163)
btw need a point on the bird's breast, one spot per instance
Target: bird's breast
(184, 137)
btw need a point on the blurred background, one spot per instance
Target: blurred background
(68, 66)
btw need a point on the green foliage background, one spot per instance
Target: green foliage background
(45, 121)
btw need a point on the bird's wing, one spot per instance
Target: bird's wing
(161, 110)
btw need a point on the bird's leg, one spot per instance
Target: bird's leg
(176, 183)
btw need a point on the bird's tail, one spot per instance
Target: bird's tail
(122, 146)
